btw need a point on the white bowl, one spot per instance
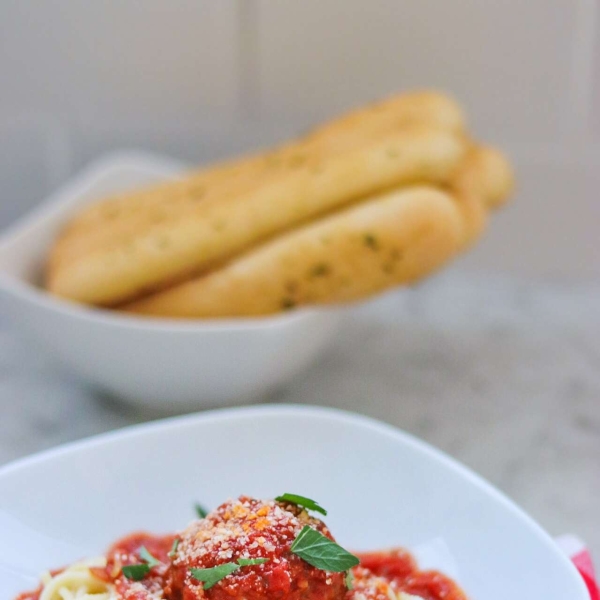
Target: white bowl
(167, 364)
(381, 487)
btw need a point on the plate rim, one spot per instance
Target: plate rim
(321, 412)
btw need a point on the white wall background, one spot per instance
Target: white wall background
(200, 79)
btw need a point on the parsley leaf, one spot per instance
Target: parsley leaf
(247, 562)
(200, 510)
(174, 547)
(136, 572)
(302, 501)
(322, 553)
(148, 558)
(213, 575)
(139, 571)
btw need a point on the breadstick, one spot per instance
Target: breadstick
(427, 108)
(129, 260)
(390, 240)
(483, 179)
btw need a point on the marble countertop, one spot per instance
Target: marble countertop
(502, 375)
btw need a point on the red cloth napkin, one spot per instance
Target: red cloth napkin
(575, 549)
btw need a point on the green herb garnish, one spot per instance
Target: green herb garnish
(319, 551)
(200, 510)
(349, 580)
(247, 562)
(213, 575)
(148, 558)
(136, 572)
(301, 501)
(174, 547)
(139, 571)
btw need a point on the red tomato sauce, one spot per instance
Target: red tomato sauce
(397, 566)
(400, 567)
(257, 530)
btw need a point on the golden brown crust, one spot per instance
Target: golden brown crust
(482, 180)
(426, 108)
(390, 240)
(242, 237)
(177, 237)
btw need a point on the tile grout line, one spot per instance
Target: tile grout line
(582, 71)
(248, 59)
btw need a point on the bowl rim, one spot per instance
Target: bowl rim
(317, 412)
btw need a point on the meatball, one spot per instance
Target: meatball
(249, 529)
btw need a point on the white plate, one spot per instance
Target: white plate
(168, 365)
(381, 486)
